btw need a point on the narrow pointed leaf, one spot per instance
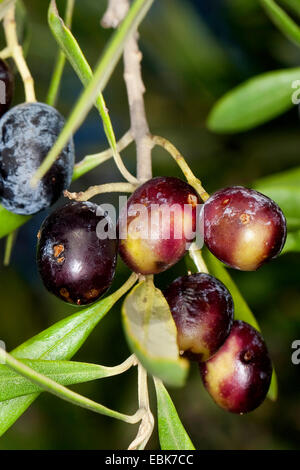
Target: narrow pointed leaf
(75, 56)
(13, 385)
(172, 435)
(60, 391)
(284, 189)
(59, 342)
(151, 333)
(254, 102)
(102, 73)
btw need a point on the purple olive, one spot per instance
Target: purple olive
(238, 376)
(76, 265)
(157, 224)
(243, 228)
(202, 309)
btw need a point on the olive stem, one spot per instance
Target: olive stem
(147, 422)
(91, 161)
(100, 189)
(196, 255)
(62, 392)
(125, 287)
(60, 60)
(179, 159)
(124, 366)
(16, 52)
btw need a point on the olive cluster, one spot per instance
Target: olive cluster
(241, 227)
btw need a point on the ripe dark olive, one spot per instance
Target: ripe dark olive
(157, 224)
(202, 309)
(74, 263)
(238, 376)
(6, 87)
(243, 228)
(27, 133)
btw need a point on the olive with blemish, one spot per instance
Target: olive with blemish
(202, 309)
(243, 228)
(157, 225)
(238, 376)
(74, 263)
(27, 133)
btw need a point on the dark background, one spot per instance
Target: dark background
(194, 51)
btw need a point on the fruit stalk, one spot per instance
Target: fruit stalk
(100, 189)
(16, 52)
(179, 159)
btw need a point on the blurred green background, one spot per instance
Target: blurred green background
(193, 51)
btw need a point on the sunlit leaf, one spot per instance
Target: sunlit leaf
(75, 56)
(152, 334)
(10, 222)
(102, 73)
(172, 435)
(59, 342)
(13, 385)
(254, 102)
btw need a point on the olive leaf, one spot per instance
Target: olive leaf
(172, 435)
(241, 308)
(282, 20)
(13, 385)
(75, 56)
(102, 73)
(151, 333)
(284, 189)
(59, 342)
(10, 222)
(254, 102)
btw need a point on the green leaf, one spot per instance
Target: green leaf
(282, 20)
(151, 333)
(60, 60)
(172, 435)
(10, 222)
(59, 342)
(254, 102)
(75, 56)
(13, 385)
(241, 308)
(102, 73)
(284, 189)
